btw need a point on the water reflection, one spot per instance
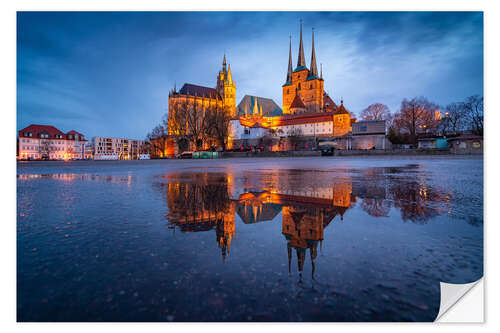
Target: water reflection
(69, 177)
(308, 200)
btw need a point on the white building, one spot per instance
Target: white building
(47, 142)
(117, 148)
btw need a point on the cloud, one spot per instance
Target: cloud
(116, 69)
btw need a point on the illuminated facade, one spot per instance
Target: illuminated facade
(192, 96)
(47, 142)
(193, 209)
(307, 109)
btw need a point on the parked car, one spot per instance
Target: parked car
(327, 151)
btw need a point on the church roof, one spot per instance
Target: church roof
(305, 118)
(328, 102)
(199, 91)
(341, 110)
(268, 212)
(52, 132)
(297, 102)
(300, 68)
(269, 107)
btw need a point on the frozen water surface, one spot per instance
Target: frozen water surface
(285, 239)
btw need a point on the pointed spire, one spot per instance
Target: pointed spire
(314, 68)
(255, 110)
(301, 60)
(229, 77)
(224, 63)
(290, 68)
(321, 74)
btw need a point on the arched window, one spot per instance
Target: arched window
(298, 86)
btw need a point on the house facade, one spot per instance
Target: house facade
(116, 148)
(48, 142)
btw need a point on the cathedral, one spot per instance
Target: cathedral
(200, 97)
(307, 109)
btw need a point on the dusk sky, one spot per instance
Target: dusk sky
(109, 74)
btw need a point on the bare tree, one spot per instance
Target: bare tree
(417, 114)
(196, 123)
(157, 139)
(177, 120)
(218, 124)
(376, 111)
(454, 117)
(473, 108)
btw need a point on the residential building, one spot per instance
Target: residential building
(118, 148)
(48, 142)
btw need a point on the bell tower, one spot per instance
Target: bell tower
(227, 88)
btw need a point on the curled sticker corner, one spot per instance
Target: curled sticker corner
(451, 294)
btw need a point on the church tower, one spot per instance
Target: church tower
(303, 81)
(226, 87)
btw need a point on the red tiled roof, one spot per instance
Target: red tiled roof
(305, 118)
(200, 91)
(341, 110)
(329, 101)
(73, 133)
(297, 102)
(37, 130)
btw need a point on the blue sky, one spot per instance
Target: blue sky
(109, 73)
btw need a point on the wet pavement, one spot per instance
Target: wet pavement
(269, 239)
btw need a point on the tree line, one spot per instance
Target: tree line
(193, 125)
(419, 116)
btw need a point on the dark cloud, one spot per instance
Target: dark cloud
(109, 73)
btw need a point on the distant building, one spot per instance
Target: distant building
(466, 144)
(48, 142)
(370, 134)
(117, 148)
(432, 143)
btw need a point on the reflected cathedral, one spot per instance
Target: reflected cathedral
(200, 202)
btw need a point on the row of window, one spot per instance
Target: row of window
(50, 148)
(50, 142)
